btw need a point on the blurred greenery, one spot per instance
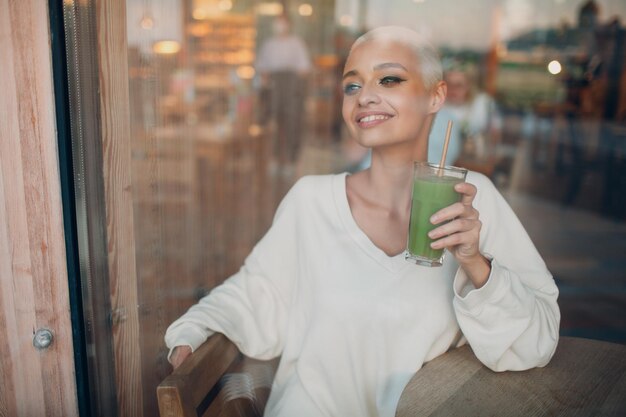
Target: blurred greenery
(522, 86)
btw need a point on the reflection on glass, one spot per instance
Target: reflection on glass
(220, 130)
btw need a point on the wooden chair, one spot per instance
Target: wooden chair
(217, 381)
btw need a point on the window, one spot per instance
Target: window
(189, 126)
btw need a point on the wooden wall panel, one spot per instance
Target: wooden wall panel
(115, 123)
(33, 275)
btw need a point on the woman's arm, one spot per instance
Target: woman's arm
(509, 316)
(251, 307)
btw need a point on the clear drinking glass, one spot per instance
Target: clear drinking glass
(433, 189)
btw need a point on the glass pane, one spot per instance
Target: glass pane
(223, 124)
(220, 131)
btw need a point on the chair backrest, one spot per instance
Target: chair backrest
(217, 380)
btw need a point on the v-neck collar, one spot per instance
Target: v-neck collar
(393, 263)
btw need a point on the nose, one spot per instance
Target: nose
(368, 95)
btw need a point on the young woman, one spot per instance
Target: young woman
(328, 288)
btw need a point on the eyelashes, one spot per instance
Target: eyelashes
(391, 80)
(351, 89)
(387, 81)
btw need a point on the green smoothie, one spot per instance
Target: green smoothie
(430, 194)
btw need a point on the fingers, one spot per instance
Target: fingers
(454, 211)
(467, 191)
(459, 222)
(463, 208)
(458, 225)
(455, 233)
(179, 355)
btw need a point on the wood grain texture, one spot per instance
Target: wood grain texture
(33, 275)
(115, 123)
(217, 381)
(585, 377)
(180, 393)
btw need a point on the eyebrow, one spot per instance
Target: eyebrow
(349, 74)
(389, 65)
(377, 67)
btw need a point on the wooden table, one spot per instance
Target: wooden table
(585, 378)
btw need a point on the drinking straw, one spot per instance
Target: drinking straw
(442, 162)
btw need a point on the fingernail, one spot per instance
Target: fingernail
(433, 219)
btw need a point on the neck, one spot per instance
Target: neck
(390, 182)
(390, 176)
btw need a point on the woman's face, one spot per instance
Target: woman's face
(385, 101)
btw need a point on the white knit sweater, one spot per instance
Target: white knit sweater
(353, 324)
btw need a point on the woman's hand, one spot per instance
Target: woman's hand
(461, 234)
(179, 355)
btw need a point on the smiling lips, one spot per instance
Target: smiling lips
(366, 120)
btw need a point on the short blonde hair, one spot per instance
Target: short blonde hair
(427, 56)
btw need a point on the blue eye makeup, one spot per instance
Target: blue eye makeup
(386, 81)
(351, 88)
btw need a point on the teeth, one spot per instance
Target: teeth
(374, 117)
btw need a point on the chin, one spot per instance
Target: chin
(384, 139)
(373, 142)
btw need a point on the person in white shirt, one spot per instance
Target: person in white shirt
(328, 289)
(283, 63)
(477, 122)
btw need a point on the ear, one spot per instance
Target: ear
(437, 97)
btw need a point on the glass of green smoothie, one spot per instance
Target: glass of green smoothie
(433, 189)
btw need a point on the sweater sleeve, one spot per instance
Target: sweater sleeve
(512, 322)
(250, 307)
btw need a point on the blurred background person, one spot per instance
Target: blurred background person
(477, 123)
(437, 138)
(283, 63)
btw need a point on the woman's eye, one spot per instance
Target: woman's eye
(390, 80)
(350, 89)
